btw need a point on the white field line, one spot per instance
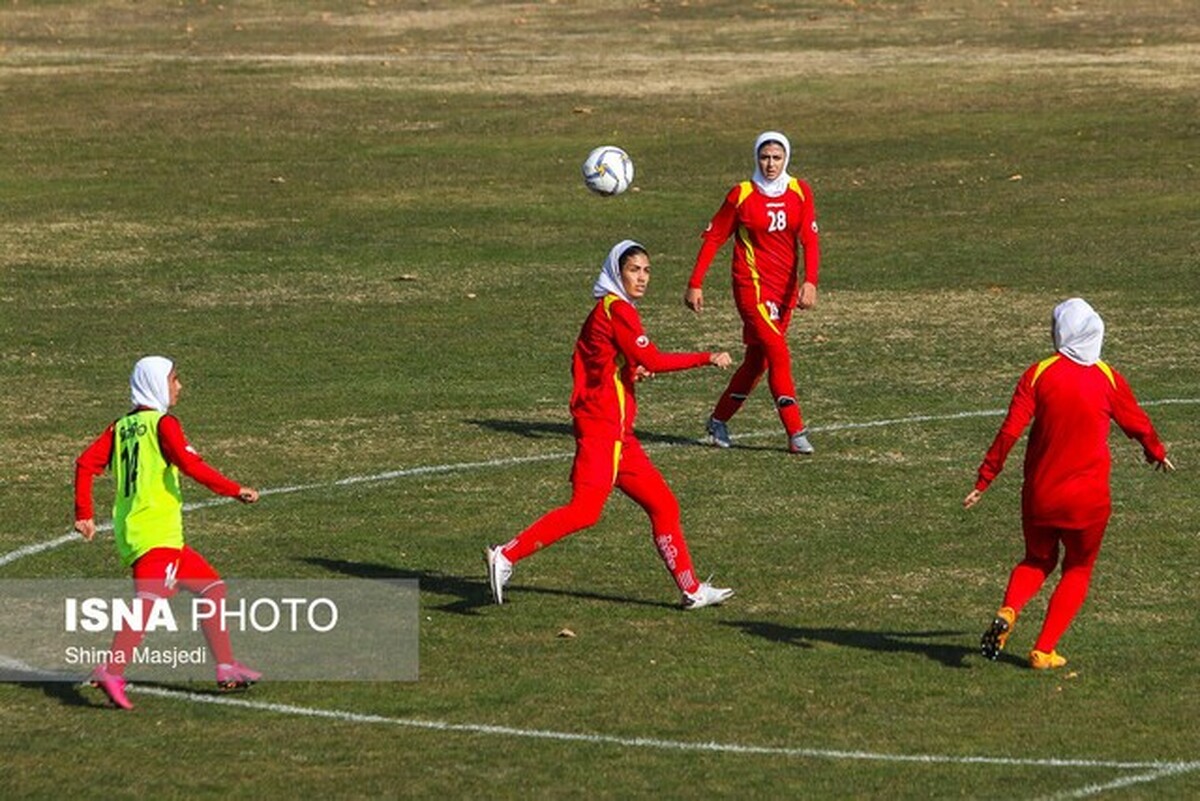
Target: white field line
(1156, 769)
(1164, 768)
(390, 475)
(1126, 781)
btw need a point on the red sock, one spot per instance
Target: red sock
(1064, 605)
(1023, 584)
(741, 384)
(584, 510)
(124, 641)
(789, 414)
(674, 552)
(214, 626)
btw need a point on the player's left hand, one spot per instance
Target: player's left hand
(1165, 465)
(640, 373)
(808, 296)
(86, 528)
(972, 498)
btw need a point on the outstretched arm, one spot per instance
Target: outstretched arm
(178, 452)
(637, 348)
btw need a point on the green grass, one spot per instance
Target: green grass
(360, 230)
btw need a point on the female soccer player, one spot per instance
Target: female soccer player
(146, 450)
(612, 353)
(1071, 396)
(774, 219)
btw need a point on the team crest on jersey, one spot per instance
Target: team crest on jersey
(814, 226)
(643, 341)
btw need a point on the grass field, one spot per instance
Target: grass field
(359, 228)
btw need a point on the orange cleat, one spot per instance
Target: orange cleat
(1040, 660)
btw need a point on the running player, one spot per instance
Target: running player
(146, 450)
(613, 352)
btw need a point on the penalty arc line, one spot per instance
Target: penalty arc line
(391, 475)
(1158, 768)
(1165, 772)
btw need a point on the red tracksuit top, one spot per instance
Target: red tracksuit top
(1067, 460)
(611, 344)
(769, 232)
(175, 448)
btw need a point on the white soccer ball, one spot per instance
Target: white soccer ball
(608, 170)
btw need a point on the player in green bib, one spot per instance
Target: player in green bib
(146, 451)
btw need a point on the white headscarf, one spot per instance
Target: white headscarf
(1078, 331)
(609, 282)
(779, 185)
(149, 385)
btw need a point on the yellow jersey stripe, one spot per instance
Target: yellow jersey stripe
(1042, 366)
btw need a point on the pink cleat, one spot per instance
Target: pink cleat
(236, 676)
(112, 685)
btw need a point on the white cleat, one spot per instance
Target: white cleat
(499, 572)
(706, 595)
(799, 443)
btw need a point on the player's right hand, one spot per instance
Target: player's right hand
(247, 494)
(694, 299)
(722, 360)
(1165, 465)
(86, 528)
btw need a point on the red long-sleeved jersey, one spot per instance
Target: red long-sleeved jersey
(770, 231)
(1067, 461)
(611, 344)
(175, 448)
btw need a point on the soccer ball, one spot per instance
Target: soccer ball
(608, 170)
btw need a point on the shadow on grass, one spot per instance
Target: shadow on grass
(912, 642)
(541, 430)
(469, 594)
(68, 693)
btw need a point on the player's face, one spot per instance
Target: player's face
(635, 275)
(173, 386)
(770, 160)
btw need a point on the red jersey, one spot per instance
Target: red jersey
(1067, 461)
(611, 345)
(175, 449)
(770, 233)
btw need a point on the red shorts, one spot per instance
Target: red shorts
(161, 572)
(1082, 545)
(603, 462)
(763, 319)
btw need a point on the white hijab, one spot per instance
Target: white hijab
(149, 385)
(779, 185)
(1078, 331)
(609, 282)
